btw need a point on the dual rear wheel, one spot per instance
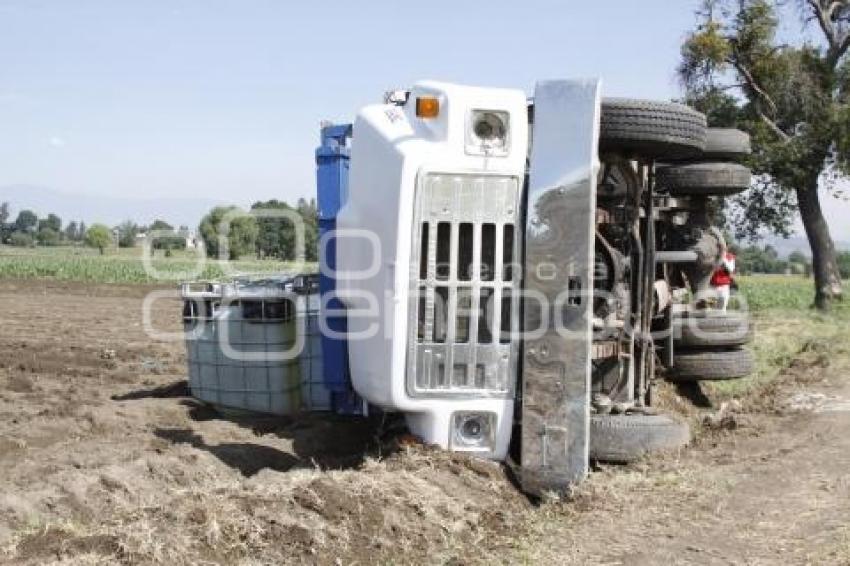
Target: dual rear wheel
(700, 162)
(710, 346)
(715, 172)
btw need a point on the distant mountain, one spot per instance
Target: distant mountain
(189, 211)
(107, 210)
(786, 247)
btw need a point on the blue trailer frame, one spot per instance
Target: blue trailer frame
(333, 159)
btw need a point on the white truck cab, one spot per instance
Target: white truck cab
(429, 244)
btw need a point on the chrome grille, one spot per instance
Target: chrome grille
(464, 286)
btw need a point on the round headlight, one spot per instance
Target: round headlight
(487, 133)
(489, 127)
(472, 429)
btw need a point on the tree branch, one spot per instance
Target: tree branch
(823, 11)
(774, 127)
(830, 11)
(753, 84)
(761, 95)
(842, 48)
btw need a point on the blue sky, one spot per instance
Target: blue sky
(222, 98)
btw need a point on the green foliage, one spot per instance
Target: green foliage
(5, 228)
(798, 257)
(21, 240)
(127, 232)
(844, 264)
(99, 236)
(26, 221)
(52, 222)
(755, 259)
(277, 234)
(229, 225)
(721, 108)
(792, 99)
(161, 225)
(162, 236)
(310, 215)
(72, 232)
(47, 236)
(705, 52)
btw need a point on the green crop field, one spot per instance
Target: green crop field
(127, 266)
(780, 292)
(765, 292)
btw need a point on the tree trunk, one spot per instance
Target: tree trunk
(824, 259)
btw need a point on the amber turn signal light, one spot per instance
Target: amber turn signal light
(427, 107)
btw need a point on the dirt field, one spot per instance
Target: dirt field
(104, 458)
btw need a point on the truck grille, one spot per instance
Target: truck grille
(465, 285)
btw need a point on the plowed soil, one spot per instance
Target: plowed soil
(105, 458)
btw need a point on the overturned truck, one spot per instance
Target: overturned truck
(513, 275)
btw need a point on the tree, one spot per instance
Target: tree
(99, 237)
(794, 99)
(52, 222)
(5, 227)
(26, 221)
(275, 234)
(164, 236)
(310, 214)
(47, 236)
(240, 232)
(72, 231)
(161, 225)
(21, 239)
(127, 231)
(844, 264)
(798, 257)
(754, 259)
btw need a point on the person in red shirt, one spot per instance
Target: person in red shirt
(723, 279)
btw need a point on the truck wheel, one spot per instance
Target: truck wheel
(622, 439)
(704, 179)
(651, 130)
(718, 365)
(712, 329)
(724, 144)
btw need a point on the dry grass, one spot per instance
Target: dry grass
(785, 339)
(418, 504)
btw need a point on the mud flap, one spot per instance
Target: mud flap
(559, 286)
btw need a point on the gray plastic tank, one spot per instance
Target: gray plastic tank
(255, 345)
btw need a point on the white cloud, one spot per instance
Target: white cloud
(56, 141)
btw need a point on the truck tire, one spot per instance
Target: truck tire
(704, 179)
(651, 130)
(724, 144)
(720, 365)
(712, 329)
(622, 439)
